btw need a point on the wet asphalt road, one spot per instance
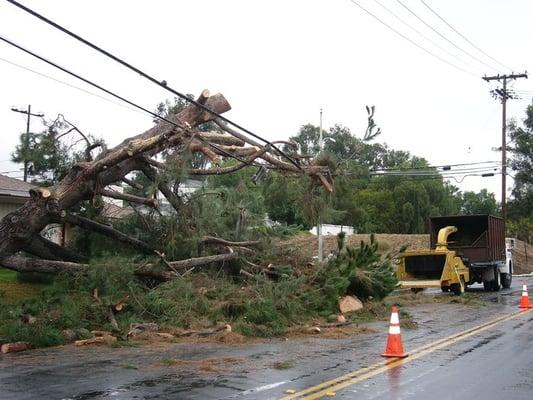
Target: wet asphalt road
(494, 364)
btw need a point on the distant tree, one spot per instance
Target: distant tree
(391, 204)
(482, 202)
(520, 207)
(51, 152)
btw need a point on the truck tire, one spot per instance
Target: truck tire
(506, 280)
(496, 282)
(458, 288)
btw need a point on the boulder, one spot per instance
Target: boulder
(349, 304)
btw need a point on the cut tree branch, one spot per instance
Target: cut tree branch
(26, 264)
(148, 270)
(134, 185)
(150, 202)
(44, 248)
(216, 240)
(108, 231)
(151, 174)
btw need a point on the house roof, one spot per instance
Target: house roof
(111, 210)
(14, 187)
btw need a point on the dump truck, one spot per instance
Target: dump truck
(464, 249)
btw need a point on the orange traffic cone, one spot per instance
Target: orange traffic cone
(524, 300)
(394, 346)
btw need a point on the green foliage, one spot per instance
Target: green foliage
(260, 307)
(392, 204)
(360, 271)
(50, 153)
(520, 208)
(479, 203)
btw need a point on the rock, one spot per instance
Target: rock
(139, 328)
(348, 304)
(341, 319)
(14, 347)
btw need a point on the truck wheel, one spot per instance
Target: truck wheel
(506, 280)
(496, 281)
(458, 288)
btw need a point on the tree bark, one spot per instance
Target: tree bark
(108, 231)
(26, 264)
(150, 202)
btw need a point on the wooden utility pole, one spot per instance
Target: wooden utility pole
(27, 137)
(319, 225)
(504, 95)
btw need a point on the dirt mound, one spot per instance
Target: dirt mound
(299, 250)
(522, 257)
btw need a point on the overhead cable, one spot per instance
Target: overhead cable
(440, 166)
(161, 83)
(442, 36)
(417, 31)
(67, 71)
(68, 84)
(408, 39)
(464, 37)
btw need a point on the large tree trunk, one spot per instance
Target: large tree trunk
(19, 228)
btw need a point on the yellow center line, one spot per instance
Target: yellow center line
(354, 377)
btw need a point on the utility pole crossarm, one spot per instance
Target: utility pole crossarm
(504, 77)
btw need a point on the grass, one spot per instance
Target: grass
(282, 365)
(169, 362)
(12, 289)
(7, 276)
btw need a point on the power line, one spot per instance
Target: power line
(408, 39)
(163, 84)
(222, 151)
(439, 166)
(67, 84)
(435, 172)
(463, 36)
(417, 31)
(441, 35)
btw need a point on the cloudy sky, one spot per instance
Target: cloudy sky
(278, 63)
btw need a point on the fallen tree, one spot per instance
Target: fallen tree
(178, 133)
